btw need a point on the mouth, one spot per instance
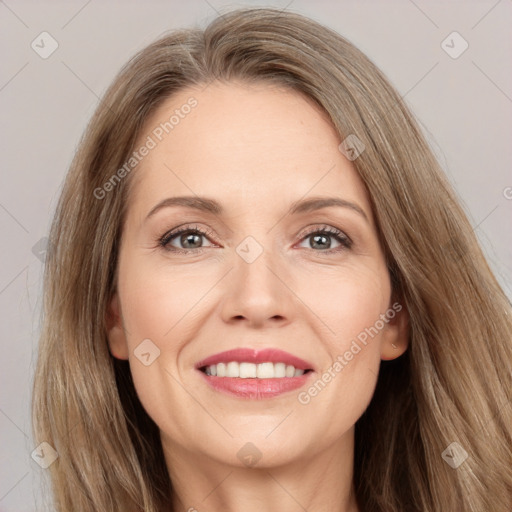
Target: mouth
(253, 374)
(245, 370)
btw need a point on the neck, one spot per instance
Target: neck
(322, 482)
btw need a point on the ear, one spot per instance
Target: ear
(395, 338)
(117, 342)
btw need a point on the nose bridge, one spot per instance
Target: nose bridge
(256, 289)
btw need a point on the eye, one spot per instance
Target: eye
(321, 239)
(190, 239)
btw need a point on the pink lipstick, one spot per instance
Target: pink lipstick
(255, 374)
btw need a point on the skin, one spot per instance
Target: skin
(255, 149)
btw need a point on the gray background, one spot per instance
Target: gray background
(464, 105)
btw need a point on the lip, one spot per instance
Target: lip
(255, 389)
(247, 355)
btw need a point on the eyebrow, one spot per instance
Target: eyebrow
(302, 206)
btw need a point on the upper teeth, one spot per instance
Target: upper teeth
(251, 370)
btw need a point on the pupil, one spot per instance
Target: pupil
(323, 239)
(189, 239)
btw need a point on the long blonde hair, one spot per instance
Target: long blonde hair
(452, 385)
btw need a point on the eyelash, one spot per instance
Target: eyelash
(163, 241)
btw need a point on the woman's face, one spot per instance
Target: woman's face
(284, 282)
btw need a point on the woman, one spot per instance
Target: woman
(262, 293)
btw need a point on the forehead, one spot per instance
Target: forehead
(242, 141)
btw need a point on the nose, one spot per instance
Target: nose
(257, 293)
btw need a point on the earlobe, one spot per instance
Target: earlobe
(395, 339)
(117, 342)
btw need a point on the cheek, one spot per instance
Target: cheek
(346, 300)
(167, 304)
(350, 305)
(157, 299)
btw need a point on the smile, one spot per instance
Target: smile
(246, 370)
(252, 374)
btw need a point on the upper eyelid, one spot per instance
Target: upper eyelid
(172, 233)
(207, 232)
